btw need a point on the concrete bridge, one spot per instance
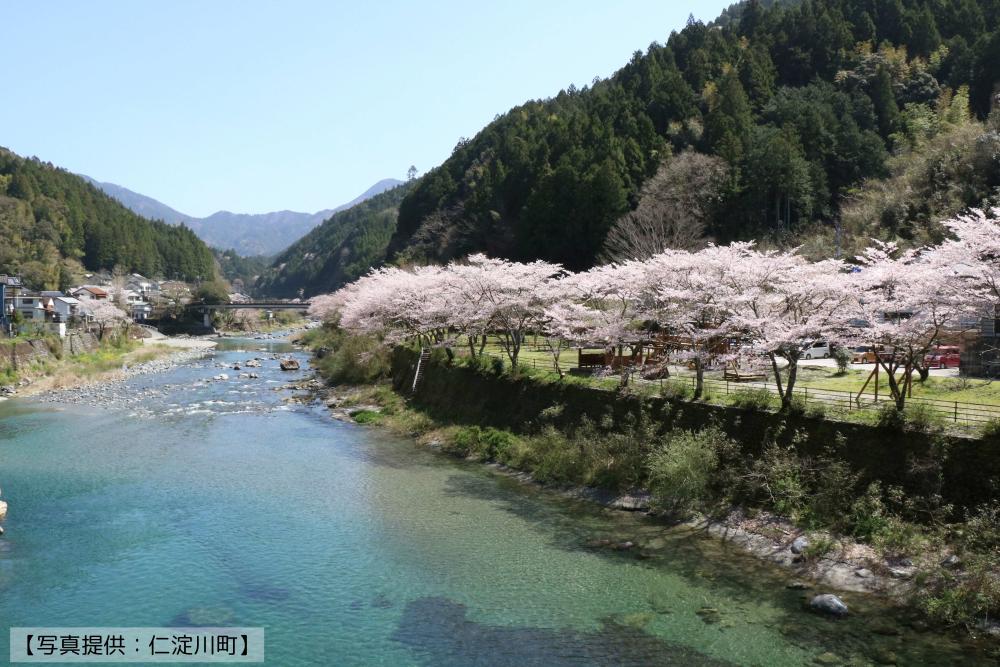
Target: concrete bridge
(206, 309)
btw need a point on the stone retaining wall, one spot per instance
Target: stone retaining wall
(969, 467)
(23, 353)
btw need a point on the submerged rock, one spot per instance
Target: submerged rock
(828, 604)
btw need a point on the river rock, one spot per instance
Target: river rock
(951, 562)
(828, 603)
(3, 510)
(289, 365)
(798, 585)
(800, 544)
(252, 363)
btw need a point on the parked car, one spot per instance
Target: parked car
(946, 356)
(818, 350)
(864, 354)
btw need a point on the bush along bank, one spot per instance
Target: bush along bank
(913, 507)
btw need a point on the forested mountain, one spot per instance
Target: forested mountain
(338, 251)
(240, 271)
(249, 234)
(145, 206)
(805, 102)
(53, 221)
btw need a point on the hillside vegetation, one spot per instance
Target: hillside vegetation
(53, 223)
(805, 102)
(338, 251)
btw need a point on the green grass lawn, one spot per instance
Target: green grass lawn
(537, 362)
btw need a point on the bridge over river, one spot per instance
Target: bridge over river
(208, 308)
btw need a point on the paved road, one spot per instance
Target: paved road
(832, 363)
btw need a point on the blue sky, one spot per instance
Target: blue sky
(255, 106)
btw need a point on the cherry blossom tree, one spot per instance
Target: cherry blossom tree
(106, 315)
(779, 303)
(608, 310)
(326, 307)
(902, 302)
(396, 304)
(682, 296)
(513, 295)
(975, 252)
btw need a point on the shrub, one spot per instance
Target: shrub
(753, 399)
(897, 537)
(683, 470)
(991, 429)
(483, 443)
(497, 365)
(982, 529)
(556, 459)
(868, 514)
(366, 416)
(357, 360)
(776, 479)
(480, 363)
(843, 358)
(677, 391)
(963, 598)
(922, 417)
(818, 547)
(889, 417)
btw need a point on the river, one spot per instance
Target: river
(186, 501)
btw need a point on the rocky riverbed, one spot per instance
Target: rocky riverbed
(112, 389)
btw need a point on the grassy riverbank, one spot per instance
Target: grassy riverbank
(70, 371)
(944, 561)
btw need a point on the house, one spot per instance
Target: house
(90, 293)
(65, 308)
(10, 288)
(143, 285)
(137, 306)
(30, 306)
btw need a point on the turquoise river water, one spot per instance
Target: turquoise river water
(185, 501)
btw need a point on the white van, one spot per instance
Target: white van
(818, 350)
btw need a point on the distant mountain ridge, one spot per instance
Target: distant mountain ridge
(246, 233)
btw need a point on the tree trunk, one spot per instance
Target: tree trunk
(924, 371)
(777, 376)
(699, 378)
(793, 370)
